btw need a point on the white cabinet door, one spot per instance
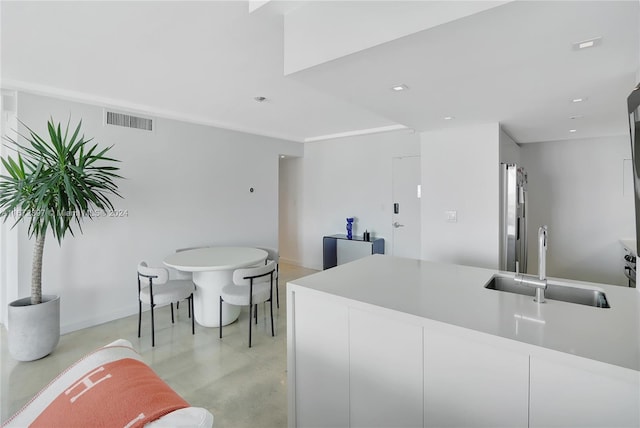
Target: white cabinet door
(386, 370)
(471, 383)
(319, 336)
(570, 391)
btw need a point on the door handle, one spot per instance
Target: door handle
(397, 225)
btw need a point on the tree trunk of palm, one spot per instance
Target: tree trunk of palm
(36, 271)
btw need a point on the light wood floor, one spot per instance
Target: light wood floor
(242, 387)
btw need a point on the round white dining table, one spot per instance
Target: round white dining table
(212, 269)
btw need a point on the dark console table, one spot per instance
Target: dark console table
(337, 249)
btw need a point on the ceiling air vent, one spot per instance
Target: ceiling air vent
(128, 121)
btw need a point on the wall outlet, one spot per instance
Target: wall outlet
(451, 216)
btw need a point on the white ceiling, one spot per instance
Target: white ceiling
(206, 61)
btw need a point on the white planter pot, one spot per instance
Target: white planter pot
(34, 330)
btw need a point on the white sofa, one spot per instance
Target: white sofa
(118, 350)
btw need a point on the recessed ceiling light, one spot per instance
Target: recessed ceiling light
(573, 130)
(399, 88)
(282, 156)
(589, 43)
(449, 118)
(579, 100)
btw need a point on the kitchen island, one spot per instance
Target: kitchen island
(386, 341)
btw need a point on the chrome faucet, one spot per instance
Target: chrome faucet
(542, 252)
(539, 283)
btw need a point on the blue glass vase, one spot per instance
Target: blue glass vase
(350, 228)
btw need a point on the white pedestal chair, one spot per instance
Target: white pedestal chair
(274, 255)
(155, 289)
(250, 286)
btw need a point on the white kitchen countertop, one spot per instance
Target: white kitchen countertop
(456, 295)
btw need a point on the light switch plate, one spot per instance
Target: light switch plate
(451, 216)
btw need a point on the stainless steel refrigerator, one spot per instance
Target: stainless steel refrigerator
(513, 218)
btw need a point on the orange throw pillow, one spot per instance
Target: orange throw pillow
(124, 393)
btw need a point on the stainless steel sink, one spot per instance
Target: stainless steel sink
(564, 293)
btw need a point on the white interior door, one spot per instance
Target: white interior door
(406, 207)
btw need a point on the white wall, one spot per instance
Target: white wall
(291, 205)
(185, 185)
(509, 149)
(353, 28)
(349, 177)
(577, 188)
(8, 235)
(460, 172)
(637, 80)
(638, 66)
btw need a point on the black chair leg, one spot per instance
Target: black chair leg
(153, 332)
(250, 316)
(193, 322)
(178, 304)
(255, 313)
(172, 320)
(220, 313)
(271, 312)
(277, 288)
(139, 316)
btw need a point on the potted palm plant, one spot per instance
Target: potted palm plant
(53, 184)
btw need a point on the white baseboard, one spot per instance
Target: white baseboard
(91, 322)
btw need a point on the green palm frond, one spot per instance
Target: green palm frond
(55, 183)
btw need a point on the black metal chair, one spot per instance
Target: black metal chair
(155, 289)
(250, 286)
